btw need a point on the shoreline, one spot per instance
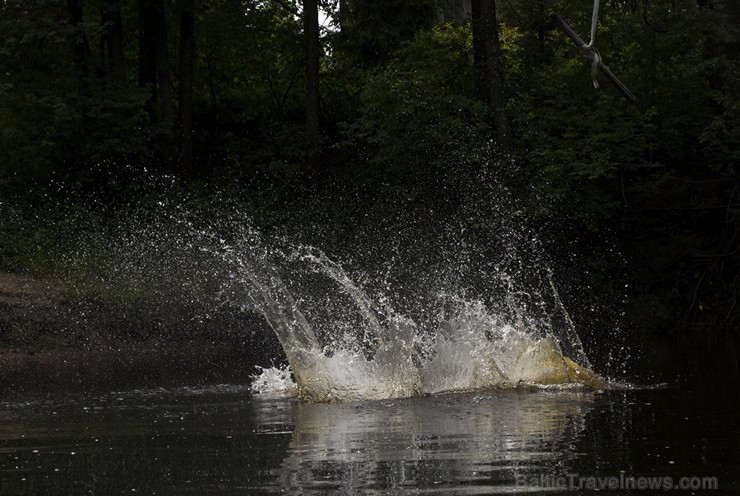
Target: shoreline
(47, 347)
(66, 369)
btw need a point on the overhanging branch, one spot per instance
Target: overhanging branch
(589, 55)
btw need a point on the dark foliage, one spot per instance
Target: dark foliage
(636, 202)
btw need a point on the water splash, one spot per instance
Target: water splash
(275, 379)
(344, 345)
(456, 311)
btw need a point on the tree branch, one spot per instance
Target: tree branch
(588, 55)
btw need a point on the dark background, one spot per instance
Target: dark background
(386, 110)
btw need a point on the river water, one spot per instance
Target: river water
(226, 440)
(387, 346)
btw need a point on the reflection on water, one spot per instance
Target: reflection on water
(446, 442)
(223, 440)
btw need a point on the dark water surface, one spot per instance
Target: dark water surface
(223, 440)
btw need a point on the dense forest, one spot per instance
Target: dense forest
(278, 102)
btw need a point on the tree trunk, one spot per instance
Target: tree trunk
(153, 63)
(164, 87)
(147, 60)
(187, 50)
(110, 12)
(723, 47)
(81, 47)
(344, 15)
(480, 64)
(494, 65)
(313, 54)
